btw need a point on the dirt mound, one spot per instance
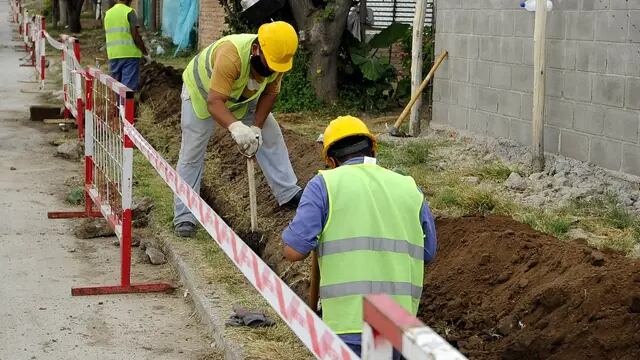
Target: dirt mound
(497, 289)
(501, 290)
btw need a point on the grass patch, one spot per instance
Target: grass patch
(545, 221)
(495, 171)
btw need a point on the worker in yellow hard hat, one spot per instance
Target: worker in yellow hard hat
(233, 83)
(371, 229)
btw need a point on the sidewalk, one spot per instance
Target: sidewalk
(40, 260)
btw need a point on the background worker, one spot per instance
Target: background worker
(371, 229)
(234, 83)
(124, 44)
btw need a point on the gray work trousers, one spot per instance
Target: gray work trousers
(273, 156)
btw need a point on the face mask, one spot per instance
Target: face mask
(259, 67)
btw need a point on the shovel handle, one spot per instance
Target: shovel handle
(423, 85)
(314, 283)
(253, 203)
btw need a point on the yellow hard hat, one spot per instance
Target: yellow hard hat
(279, 42)
(344, 127)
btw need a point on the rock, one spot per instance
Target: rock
(507, 325)
(523, 283)
(489, 157)
(71, 150)
(135, 241)
(92, 228)
(578, 234)
(561, 181)
(155, 256)
(13, 168)
(596, 258)
(472, 180)
(140, 211)
(536, 176)
(515, 182)
(635, 304)
(485, 259)
(535, 200)
(503, 278)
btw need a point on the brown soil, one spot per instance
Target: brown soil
(497, 289)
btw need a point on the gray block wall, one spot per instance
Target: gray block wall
(592, 106)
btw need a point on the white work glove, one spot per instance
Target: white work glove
(244, 136)
(256, 130)
(147, 58)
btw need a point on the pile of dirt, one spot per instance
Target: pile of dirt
(497, 289)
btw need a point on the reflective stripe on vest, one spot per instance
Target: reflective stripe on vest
(119, 41)
(372, 243)
(197, 77)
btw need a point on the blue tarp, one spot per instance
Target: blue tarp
(178, 20)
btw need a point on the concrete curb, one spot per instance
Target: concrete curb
(207, 310)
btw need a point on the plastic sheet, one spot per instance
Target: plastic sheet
(178, 20)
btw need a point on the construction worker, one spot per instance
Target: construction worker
(371, 229)
(233, 83)
(124, 44)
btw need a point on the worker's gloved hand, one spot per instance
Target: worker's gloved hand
(244, 136)
(147, 58)
(256, 130)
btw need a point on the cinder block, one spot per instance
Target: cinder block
(561, 54)
(632, 100)
(498, 126)
(527, 107)
(606, 153)
(608, 90)
(440, 113)
(444, 69)
(621, 124)
(463, 94)
(463, 21)
(465, 46)
(631, 159)
(634, 28)
(483, 21)
(566, 5)
(445, 22)
(459, 69)
(506, 23)
(559, 113)
(527, 51)
(574, 145)
(442, 90)
(612, 26)
(450, 4)
(511, 50)
(487, 99)
(478, 122)
(524, 23)
(623, 59)
(589, 118)
(509, 103)
(521, 131)
(595, 4)
(580, 25)
(551, 139)
(458, 117)
(490, 48)
(577, 86)
(522, 78)
(500, 76)
(554, 82)
(556, 25)
(591, 57)
(480, 72)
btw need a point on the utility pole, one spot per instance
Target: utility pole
(539, 38)
(416, 64)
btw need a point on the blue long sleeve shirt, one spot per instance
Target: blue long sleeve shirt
(311, 216)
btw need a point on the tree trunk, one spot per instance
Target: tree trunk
(321, 31)
(63, 7)
(55, 13)
(75, 9)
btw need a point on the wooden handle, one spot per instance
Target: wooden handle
(314, 285)
(423, 85)
(253, 203)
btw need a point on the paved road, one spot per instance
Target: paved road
(40, 260)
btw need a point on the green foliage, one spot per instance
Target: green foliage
(235, 23)
(296, 93)
(76, 196)
(496, 171)
(480, 202)
(445, 198)
(545, 221)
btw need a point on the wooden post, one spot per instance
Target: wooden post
(539, 38)
(363, 20)
(416, 64)
(153, 23)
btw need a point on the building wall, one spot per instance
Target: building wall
(592, 107)
(210, 22)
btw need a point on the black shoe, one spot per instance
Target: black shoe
(292, 204)
(185, 229)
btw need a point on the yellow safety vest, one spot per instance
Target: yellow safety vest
(117, 29)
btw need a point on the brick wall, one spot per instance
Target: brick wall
(210, 22)
(592, 107)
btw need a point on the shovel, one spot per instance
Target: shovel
(254, 239)
(395, 129)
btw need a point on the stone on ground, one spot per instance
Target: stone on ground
(516, 182)
(71, 150)
(92, 228)
(155, 256)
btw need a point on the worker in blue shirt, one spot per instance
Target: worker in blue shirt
(371, 229)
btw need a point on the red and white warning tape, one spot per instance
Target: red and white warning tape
(311, 330)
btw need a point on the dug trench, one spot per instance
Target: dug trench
(497, 289)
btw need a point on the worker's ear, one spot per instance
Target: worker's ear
(333, 163)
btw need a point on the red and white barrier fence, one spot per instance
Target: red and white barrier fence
(15, 11)
(109, 172)
(72, 80)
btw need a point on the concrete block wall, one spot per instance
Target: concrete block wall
(592, 106)
(210, 22)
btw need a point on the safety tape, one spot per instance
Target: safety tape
(53, 42)
(118, 87)
(307, 326)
